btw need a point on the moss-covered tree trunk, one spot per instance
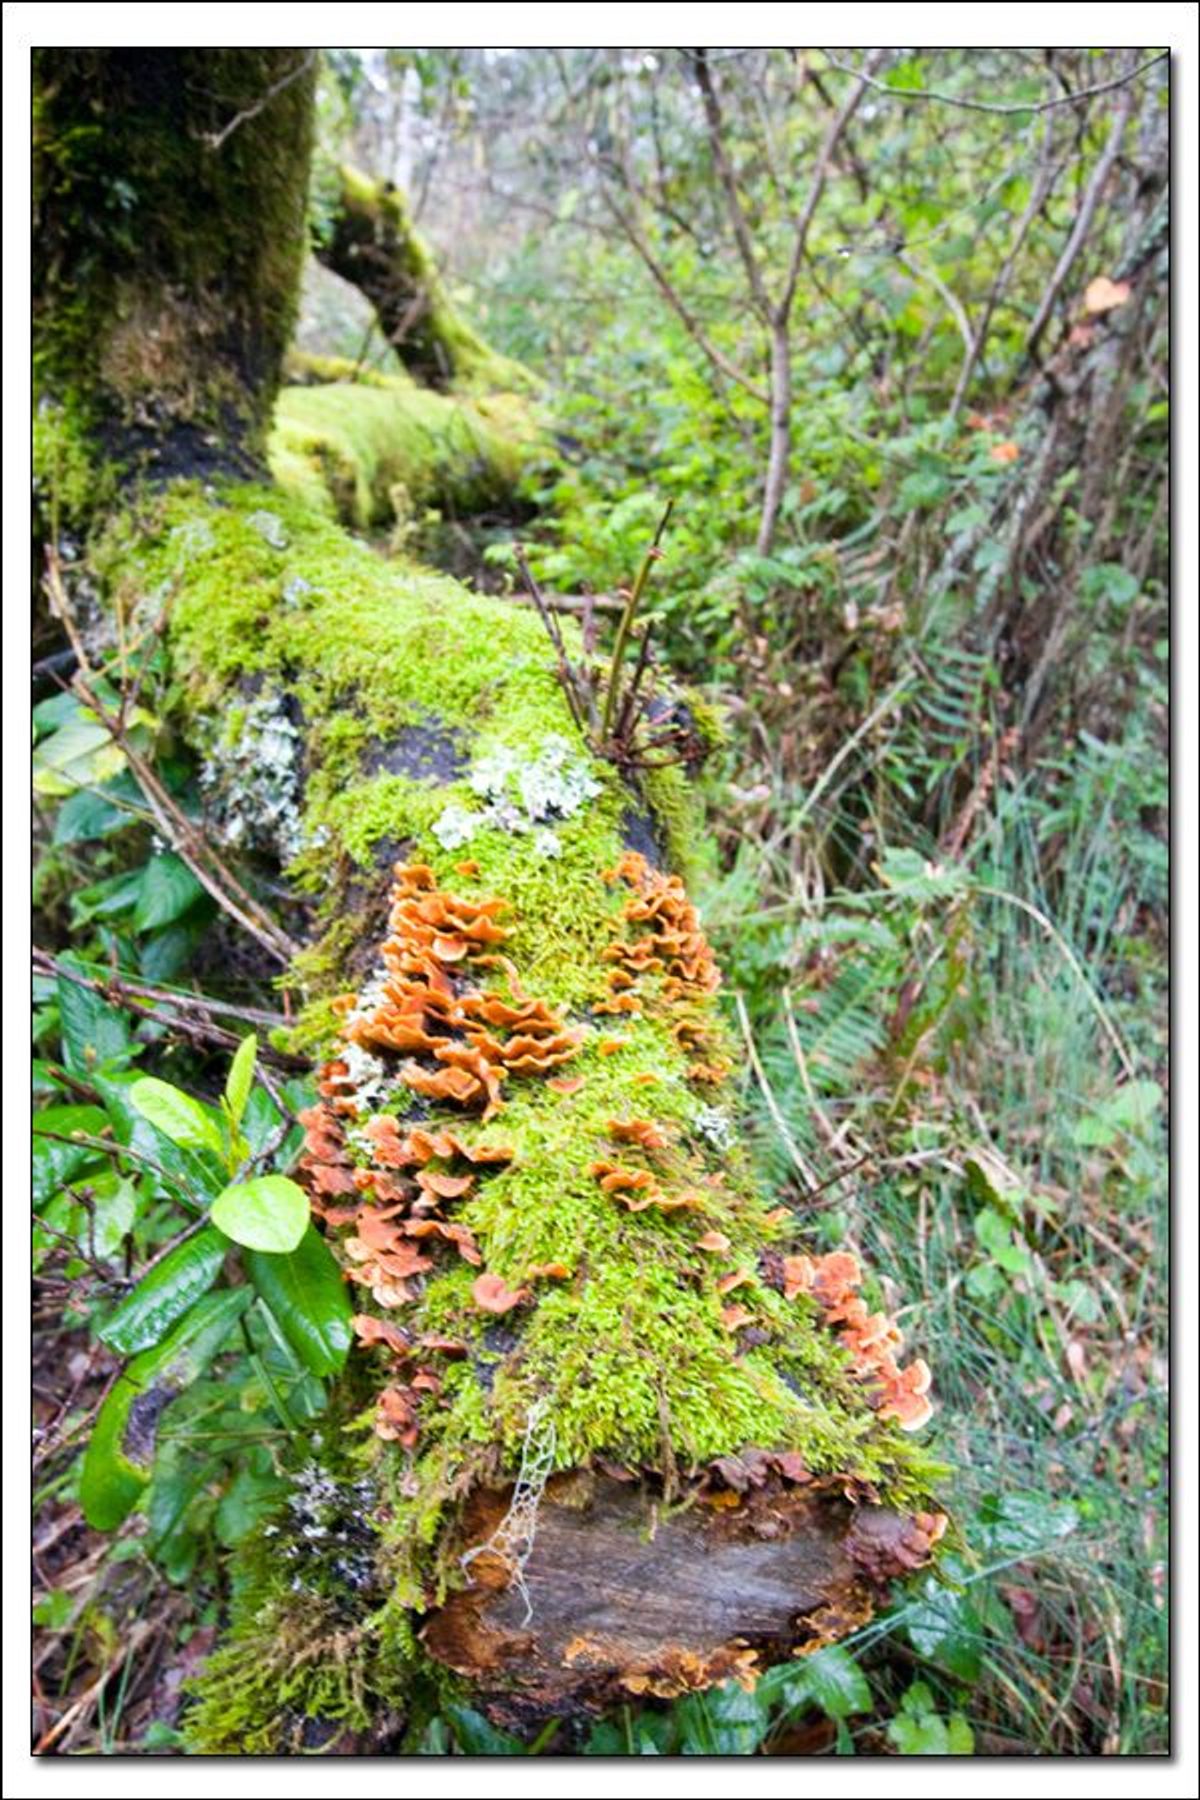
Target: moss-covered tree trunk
(370, 241)
(608, 1430)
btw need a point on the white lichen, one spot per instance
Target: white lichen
(521, 797)
(252, 780)
(367, 1074)
(715, 1126)
(270, 528)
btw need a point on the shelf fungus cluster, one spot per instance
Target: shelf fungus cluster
(871, 1338)
(663, 937)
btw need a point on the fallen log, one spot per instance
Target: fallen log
(608, 1430)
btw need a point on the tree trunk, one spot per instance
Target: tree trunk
(781, 436)
(370, 241)
(607, 1431)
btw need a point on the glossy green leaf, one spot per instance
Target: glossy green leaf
(120, 1455)
(56, 1160)
(240, 1079)
(168, 889)
(477, 1738)
(725, 1721)
(835, 1683)
(268, 1213)
(176, 1114)
(94, 1033)
(165, 1294)
(308, 1300)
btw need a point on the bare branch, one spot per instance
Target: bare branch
(994, 106)
(214, 139)
(1083, 221)
(733, 200)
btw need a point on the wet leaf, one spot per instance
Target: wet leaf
(268, 1213)
(308, 1300)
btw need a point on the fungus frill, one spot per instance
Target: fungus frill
(470, 1037)
(665, 958)
(872, 1339)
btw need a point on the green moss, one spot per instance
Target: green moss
(166, 265)
(72, 482)
(373, 454)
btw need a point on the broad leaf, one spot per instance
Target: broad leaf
(168, 889)
(176, 1114)
(240, 1079)
(120, 1454)
(835, 1683)
(165, 1294)
(308, 1300)
(56, 1161)
(93, 1032)
(268, 1213)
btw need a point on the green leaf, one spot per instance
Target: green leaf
(943, 1627)
(240, 1079)
(107, 899)
(120, 1455)
(960, 1739)
(835, 1683)
(919, 1734)
(177, 1115)
(89, 813)
(166, 1293)
(168, 889)
(725, 1721)
(114, 1213)
(55, 1161)
(80, 754)
(308, 1300)
(180, 1507)
(1109, 581)
(269, 1213)
(477, 1738)
(54, 1610)
(186, 1169)
(1020, 1524)
(93, 1032)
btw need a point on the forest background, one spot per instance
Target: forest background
(941, 648)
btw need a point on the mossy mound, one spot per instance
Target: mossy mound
(374, 452)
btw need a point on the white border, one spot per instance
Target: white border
(25, 24)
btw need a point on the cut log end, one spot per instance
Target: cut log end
(622, 1595)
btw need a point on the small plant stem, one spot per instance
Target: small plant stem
(565, 671)
(258, 1364)
(627, 618)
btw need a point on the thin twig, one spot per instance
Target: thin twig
(627, 617)
(566, 672)
(992, 106)
(188, 844)
(213, 140)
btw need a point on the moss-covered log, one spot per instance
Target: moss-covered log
(374, 452)
(369, 240)
(608, 1429)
